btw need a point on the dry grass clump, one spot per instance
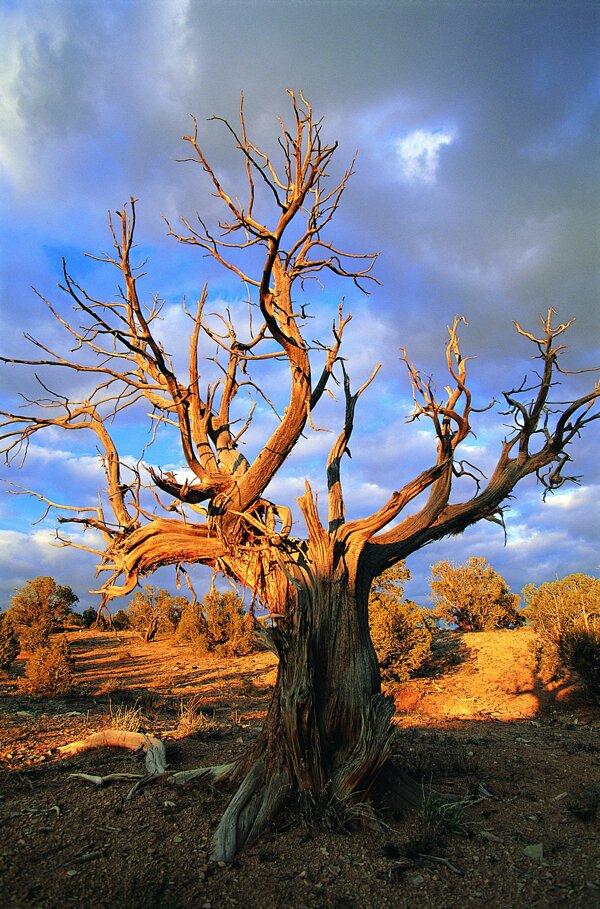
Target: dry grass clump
(109, 688)
(127, 716)
(435, 819)
(192, 721)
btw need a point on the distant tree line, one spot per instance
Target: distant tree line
(565, 615)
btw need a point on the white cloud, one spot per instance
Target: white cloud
(571, 498)
(26, 555)
(419, 152)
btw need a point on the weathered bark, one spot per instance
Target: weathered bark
(151, 631)
(328, 728)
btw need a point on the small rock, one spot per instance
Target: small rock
(416, 879)
(488, 835)
(534, 850)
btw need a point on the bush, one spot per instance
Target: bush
(580, 650)
(473, 596)
(562, 605)
(9, 642)
(219, 624)
(120, 620)
(565, 615)
(93, 618)
(49, 671)
(39, 608)
(36, 636)
(400, 629)
(193, 628)
(89, 617)
(153, 610)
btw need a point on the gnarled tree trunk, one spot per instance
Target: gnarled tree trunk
(328, 728)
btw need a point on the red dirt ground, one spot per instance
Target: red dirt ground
(525, 758)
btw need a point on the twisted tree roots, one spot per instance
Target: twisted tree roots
(259, 797)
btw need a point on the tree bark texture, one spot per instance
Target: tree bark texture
(328, 727)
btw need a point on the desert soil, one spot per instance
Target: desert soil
(524, 759)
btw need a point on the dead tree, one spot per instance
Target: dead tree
(328, 727)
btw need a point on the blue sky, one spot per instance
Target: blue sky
(477, 127)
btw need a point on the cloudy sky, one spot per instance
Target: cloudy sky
(477, 128)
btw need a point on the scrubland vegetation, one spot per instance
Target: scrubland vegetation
(472, 597)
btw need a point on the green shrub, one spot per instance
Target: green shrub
(152, 611)
(565, 615)
(49, 671)
(400, 630)
(229, 628)
(40, 608)
(193, 628)
(9, 642)
(218, 624)
(88, 617)
(93, 618)
(36, 636)
(580, 650)
(120, 620)
(473, 596)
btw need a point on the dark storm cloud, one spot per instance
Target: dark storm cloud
(477, 128)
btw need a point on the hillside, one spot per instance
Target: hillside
(523, 758)
(487, 675)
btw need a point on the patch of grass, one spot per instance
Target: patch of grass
(127, 717)
(326, 811)
(191, 720)
(435, 819)
(247, 687)
(464, 760)
(109, 688)
(149, 701)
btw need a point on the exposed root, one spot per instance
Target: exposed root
(156, 756)
(105, 780)
(156, 760)
(253, 806)
(219, 773)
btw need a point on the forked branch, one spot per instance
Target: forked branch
(541, 432)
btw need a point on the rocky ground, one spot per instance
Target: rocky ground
(523, 758)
